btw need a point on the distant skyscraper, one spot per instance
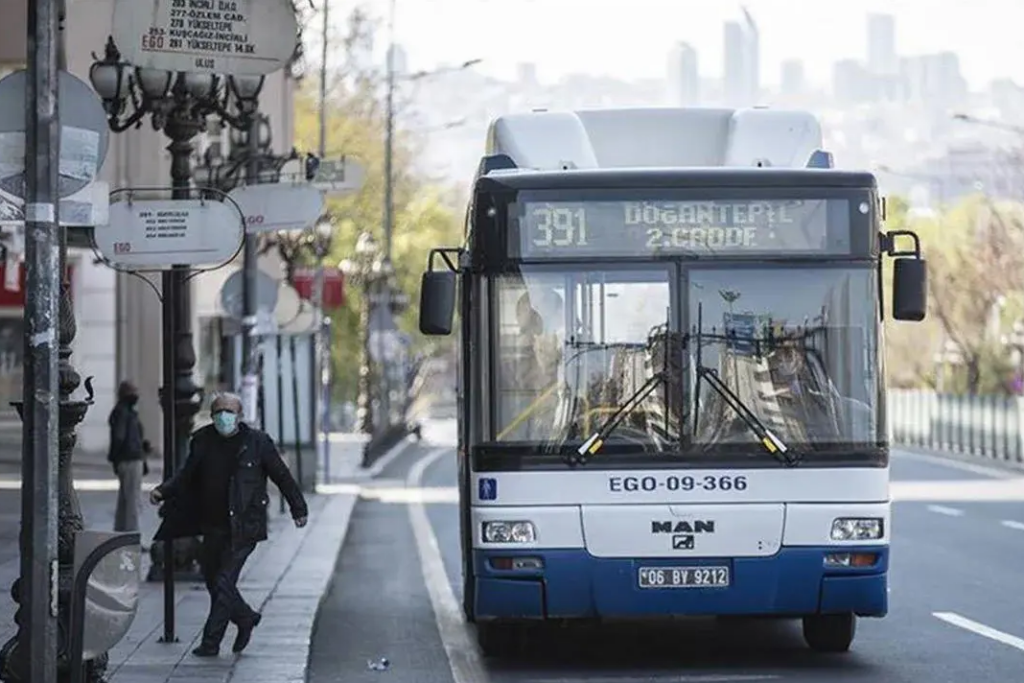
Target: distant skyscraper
(527, 73)
(851, 83)
(934, 78)
(793, 78)
(882, 60)
(683, 76)
(742, 77)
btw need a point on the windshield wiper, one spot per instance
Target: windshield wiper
(772, 443)
(593, 443)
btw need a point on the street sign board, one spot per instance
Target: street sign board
(84, 136)
(339, 177)
(231, 293)
(288, 305)
(162, 233)
(277, 207)
(234, 37)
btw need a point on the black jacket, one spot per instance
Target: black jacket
(126, 439)
(258, 459)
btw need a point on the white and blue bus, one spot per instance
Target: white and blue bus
(671, 393)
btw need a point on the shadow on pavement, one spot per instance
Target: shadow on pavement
(740, 646)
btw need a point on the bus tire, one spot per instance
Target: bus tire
(830, 632)
(497, 639)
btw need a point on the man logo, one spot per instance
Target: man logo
(682, 542)
(697, 526)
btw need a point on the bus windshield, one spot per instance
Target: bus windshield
(796, 345)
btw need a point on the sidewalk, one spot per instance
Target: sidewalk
(285, 579)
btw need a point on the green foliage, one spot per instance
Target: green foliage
(975, 254)
(423, 216)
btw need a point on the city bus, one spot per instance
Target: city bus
(671, 387)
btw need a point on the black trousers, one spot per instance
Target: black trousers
(222, 563)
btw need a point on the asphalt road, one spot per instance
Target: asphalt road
(956, 605)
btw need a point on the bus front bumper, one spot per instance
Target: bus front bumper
(573, 584)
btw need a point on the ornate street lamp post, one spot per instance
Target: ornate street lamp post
(252, 162)
(179, 105)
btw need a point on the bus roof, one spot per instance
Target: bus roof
(659, 137)
(657, 178)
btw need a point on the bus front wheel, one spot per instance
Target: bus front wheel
(497, 639)
(830, 632)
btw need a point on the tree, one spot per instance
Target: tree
(975, 272)
(423, 220)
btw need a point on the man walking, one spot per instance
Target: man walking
(127, 455)
(221, 494)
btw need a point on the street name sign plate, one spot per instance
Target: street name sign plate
(84, 135)
(232, 37)
(276, 207)
(162, 233)
(339, 177)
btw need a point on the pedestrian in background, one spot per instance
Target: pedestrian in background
(127, 455)
(221, 494)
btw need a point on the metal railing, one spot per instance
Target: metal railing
(977, 426)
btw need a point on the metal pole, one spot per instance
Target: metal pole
(316, 367)
(389, 142)
(250, 380)
(325, 379)
(322, 147)
(39, 567)
(295, 412)
(280, 406)
(167, 398)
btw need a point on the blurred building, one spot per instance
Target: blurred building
(118, 316)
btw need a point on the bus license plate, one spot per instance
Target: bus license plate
(683, 577)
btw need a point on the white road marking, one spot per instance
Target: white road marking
(668, 678)
(376, 468)
(943, 510)
(463, 657)
(1010, 524)
(980, 629)
(89, 485)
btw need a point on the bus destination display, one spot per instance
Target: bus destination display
(708, 228)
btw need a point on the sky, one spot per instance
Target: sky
(632, 38)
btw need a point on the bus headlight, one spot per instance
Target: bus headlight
(857, 529)
(509, 532)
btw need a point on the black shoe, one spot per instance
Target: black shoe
(206, 651)
(245, 630)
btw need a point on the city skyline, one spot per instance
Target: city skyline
(630, 45)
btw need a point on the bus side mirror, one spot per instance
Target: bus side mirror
(909, 289)
(437, 302)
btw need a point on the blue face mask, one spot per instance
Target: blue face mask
(225, 422)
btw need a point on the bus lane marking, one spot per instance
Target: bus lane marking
(464, 658)
(980, 629)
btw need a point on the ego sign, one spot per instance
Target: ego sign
(673, 483)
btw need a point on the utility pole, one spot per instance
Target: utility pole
(322, 147)
(250, 376)
(323, 353)
(389, 138)
(39, 567)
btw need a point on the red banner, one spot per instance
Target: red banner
(334, 285)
